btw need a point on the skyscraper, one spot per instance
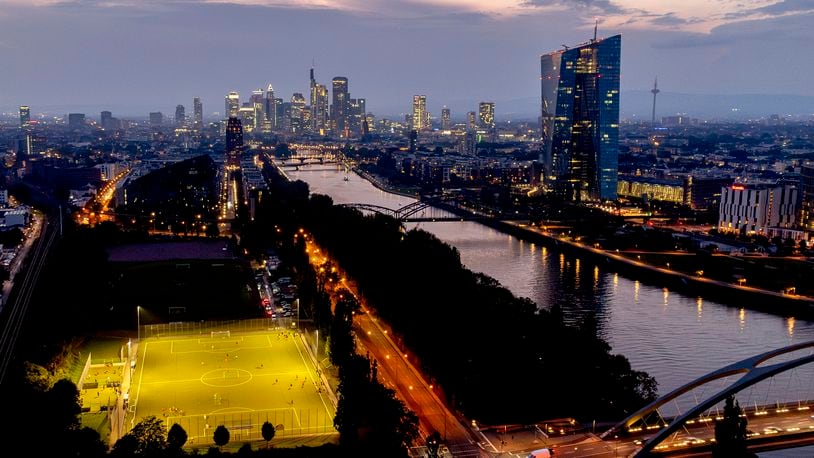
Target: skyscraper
(270, 107)
(445, 118)
(296, 115)
(580, 119)
(471, 122)
(197, 113)
(234, 141)
(356, 116)
(319, 106)
(232, 104)
(106, 120)
(156, 119)
(486, 115)
(339, 106)
(420, 112)
(259, 105)
(25, 116)
(180, 115)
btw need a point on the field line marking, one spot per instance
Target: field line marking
(305, 363)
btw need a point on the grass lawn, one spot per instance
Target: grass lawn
(239, 381)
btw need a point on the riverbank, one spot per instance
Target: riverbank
(731, 294)
(380, 184)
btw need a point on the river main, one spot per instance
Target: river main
(671, 336)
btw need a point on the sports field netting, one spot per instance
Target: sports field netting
(236, 379)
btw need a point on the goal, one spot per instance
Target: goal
(221, 334)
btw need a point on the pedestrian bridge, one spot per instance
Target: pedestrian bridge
(774, 424)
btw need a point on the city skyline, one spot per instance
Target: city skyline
(82, 54)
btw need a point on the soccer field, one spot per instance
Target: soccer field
(239, 380)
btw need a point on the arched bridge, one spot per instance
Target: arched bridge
(402, 214)
(751, 370)
(432, 208)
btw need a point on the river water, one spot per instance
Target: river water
(673, 337)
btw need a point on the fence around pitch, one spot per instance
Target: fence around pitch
(247, 426)
(181, 328)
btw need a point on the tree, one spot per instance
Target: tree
(268, 431)
(176, 437)
(221, 436)
(730, 432)
(146, 438)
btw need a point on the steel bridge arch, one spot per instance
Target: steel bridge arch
(752, 375)
(400, 214)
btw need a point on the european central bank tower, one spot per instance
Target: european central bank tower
(580, 119)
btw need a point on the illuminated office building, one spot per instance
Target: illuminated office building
(319, 106)
(258, 104)
(580, 119)
(197, 113)
(25, 116)
(486, 120)
(296, 123)
(486, 115)
(445, 118)
(232, 107)
(419, 120)
(356, 116)
(339, 106)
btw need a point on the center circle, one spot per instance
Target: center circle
(226, 377)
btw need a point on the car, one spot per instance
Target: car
(772, 430)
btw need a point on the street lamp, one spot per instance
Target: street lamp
(138, 323)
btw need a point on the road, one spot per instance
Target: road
(396, 371)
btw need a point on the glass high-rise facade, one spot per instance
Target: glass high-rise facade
(580, 119)
(339, 107)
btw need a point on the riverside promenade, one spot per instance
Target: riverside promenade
(730, 293)
(733, 294)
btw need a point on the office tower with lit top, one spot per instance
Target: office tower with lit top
(580, 119)
(319, 106)
(232, 105)
(446, 122)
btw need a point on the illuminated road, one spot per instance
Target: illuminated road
(396, 372)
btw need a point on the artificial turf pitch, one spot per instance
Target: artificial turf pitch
(240, 380)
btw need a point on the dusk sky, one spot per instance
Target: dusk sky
(136, 56)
